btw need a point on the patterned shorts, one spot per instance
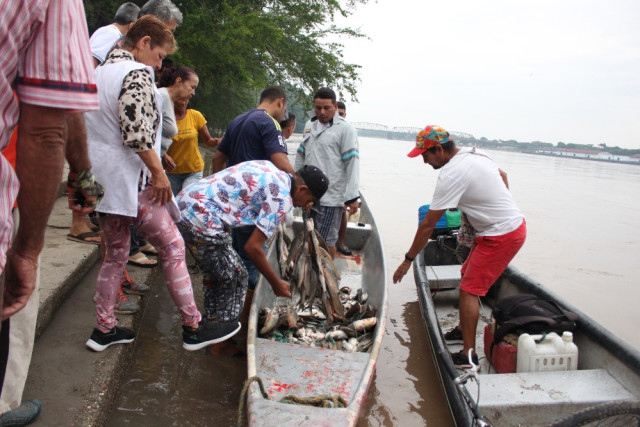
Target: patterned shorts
(327, 221)
(224, 276)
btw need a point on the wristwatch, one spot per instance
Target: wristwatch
(408, 258)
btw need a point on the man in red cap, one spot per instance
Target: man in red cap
(470, 181)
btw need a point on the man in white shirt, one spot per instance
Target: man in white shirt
(470, 181)
(105, 37)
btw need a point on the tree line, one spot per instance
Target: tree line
(539, 145)
(238, 47)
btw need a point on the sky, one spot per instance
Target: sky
(543, 70)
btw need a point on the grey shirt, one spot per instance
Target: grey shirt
(334, 149)
(169, 126)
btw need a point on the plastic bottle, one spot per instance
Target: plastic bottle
(453, 218)
(550, 352)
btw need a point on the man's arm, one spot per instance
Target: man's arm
(219, 161)
(299, 162)
(254, 250)
(503, 175)
(40, 154)
(351, 161)
(420, 240)
(83, 192)
(207, 139)
(281, 160)
(76, 150)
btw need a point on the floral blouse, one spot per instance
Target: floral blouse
(250, 193)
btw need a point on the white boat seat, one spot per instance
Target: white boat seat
(546, 396)
(443, 276)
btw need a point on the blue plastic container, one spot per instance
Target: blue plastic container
(422, 211)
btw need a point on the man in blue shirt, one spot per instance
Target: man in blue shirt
(255, 135)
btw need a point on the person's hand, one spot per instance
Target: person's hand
(168, 163)
(281, 288)
(161, 192)
(83, 191)
(352, 207)
(401, 271)
(20, 281)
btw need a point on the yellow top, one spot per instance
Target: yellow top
(184, 148)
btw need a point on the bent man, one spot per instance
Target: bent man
(470, 181)
(254, 193)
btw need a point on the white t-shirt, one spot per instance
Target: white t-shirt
(471, 182)
(102, 40)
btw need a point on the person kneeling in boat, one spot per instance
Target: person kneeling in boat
(470, 181)
(250, 193)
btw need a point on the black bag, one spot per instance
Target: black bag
(530, 314)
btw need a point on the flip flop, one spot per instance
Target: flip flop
(148, 249)
(141, 260)
(83, 237)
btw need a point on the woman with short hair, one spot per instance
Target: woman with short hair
(124, 145)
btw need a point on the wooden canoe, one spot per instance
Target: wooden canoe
(306, 372)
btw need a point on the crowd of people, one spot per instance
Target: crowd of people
(117, 109)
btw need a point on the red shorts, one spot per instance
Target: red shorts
(489, 258)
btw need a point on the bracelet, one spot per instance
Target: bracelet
(408, 258)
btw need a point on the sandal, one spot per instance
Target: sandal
(84, 237)
(148, 249)
(141, 260)
(344, 250)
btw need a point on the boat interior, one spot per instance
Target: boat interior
(548, 391)
(304, 371)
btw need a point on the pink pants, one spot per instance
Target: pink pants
(156, 225)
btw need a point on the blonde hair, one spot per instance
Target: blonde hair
(150, 26)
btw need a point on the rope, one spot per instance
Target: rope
(320, 401)
(243, 395)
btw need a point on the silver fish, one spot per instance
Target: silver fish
(364, 324)
(336, 335)
(270, 322)
(283, 250)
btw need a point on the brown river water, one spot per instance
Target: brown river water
(583, 244)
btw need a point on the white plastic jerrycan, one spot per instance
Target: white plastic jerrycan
(539, 353)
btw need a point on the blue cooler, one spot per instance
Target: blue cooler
(422, 211)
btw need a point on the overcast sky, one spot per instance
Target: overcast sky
(543, 70)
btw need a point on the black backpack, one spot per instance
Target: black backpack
(530, 314)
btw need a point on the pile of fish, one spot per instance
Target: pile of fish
(320, 313)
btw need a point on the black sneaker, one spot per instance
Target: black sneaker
(461, 360)
(99, 341)
(208, 333)
(454, 336)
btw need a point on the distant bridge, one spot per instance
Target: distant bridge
(377, 130)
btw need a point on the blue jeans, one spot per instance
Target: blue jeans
(240, 236)
(182, 180)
